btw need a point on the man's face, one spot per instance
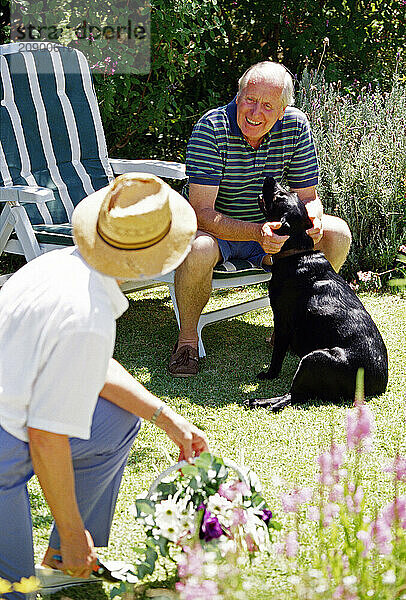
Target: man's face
(258, 108)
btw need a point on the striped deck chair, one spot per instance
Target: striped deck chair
(52, 147)
(53, 153)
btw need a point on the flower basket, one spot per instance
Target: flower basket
(213, 503)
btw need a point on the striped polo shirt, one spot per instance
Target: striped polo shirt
(218, 154)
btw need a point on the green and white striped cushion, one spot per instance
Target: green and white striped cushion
(236, 267)
(51, 130)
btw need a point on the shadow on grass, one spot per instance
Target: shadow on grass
(236, 351)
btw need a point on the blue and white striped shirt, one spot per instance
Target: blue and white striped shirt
(218, 154)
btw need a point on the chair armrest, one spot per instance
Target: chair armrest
(161, 168)
(26, 193)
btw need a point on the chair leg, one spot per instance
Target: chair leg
(171, 287)
(7, 222)
(25, 233)
(3, 278)
(200, 346)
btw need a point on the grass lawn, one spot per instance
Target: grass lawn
(282, 448)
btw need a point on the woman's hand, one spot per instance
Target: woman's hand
(186, 436)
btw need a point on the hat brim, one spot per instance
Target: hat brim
(145, 263)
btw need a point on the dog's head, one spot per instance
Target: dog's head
(278, 204)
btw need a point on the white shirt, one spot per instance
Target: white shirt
(57, 334)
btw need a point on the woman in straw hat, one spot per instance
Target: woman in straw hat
(68, 412)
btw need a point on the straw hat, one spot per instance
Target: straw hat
(137, 227)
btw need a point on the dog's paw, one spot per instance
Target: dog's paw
(263, 375)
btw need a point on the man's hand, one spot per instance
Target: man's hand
(186, 436)
(270, 241)
(78, 554)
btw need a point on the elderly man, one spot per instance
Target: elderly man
(68, 412)
(230, 152)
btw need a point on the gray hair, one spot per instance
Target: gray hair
(276, 74)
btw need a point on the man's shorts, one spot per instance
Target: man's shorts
(251, 251)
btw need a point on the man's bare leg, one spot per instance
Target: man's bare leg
(336, 241)
(193, 285)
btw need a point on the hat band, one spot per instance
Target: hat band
(133, 245)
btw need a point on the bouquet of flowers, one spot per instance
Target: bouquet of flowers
(201, 505)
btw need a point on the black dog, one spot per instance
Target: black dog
(316, 314)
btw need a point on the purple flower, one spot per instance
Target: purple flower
(266, 515)
(210, 528)
(239, 517)
(360, 424)
(292, 501)
(398, 468)
(330, 511)
(313, 513)
(191, 562)
(203, 590)
(365, 537)
(230, 491)
(337, 493)
(291, 544)
(396, 511)
(382, 534)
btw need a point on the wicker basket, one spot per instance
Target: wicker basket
(230, 464)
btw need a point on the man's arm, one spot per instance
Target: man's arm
(52, 463)
(127, 393)
(203, 197)
(314, 208)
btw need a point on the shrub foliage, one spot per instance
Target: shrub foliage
(199, 48)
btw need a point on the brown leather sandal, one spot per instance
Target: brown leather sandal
(184, 361)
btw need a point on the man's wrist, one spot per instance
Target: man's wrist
(259, 232)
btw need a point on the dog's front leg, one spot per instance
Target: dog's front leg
(280, 348)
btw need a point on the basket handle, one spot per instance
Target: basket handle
(227, 462)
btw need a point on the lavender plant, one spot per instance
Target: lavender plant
(361, 140)
(360, 554)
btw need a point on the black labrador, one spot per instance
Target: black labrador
(316, 314)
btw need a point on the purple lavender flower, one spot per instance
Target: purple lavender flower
(210, 528)
(360, 424)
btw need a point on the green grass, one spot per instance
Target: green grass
(282, 448)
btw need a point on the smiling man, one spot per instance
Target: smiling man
(230, 152)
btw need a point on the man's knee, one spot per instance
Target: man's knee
(336, 240)
(203, 256)
(336, 230)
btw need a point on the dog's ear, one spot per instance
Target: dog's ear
(269, 187)
(262, 205)
(265, 199)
